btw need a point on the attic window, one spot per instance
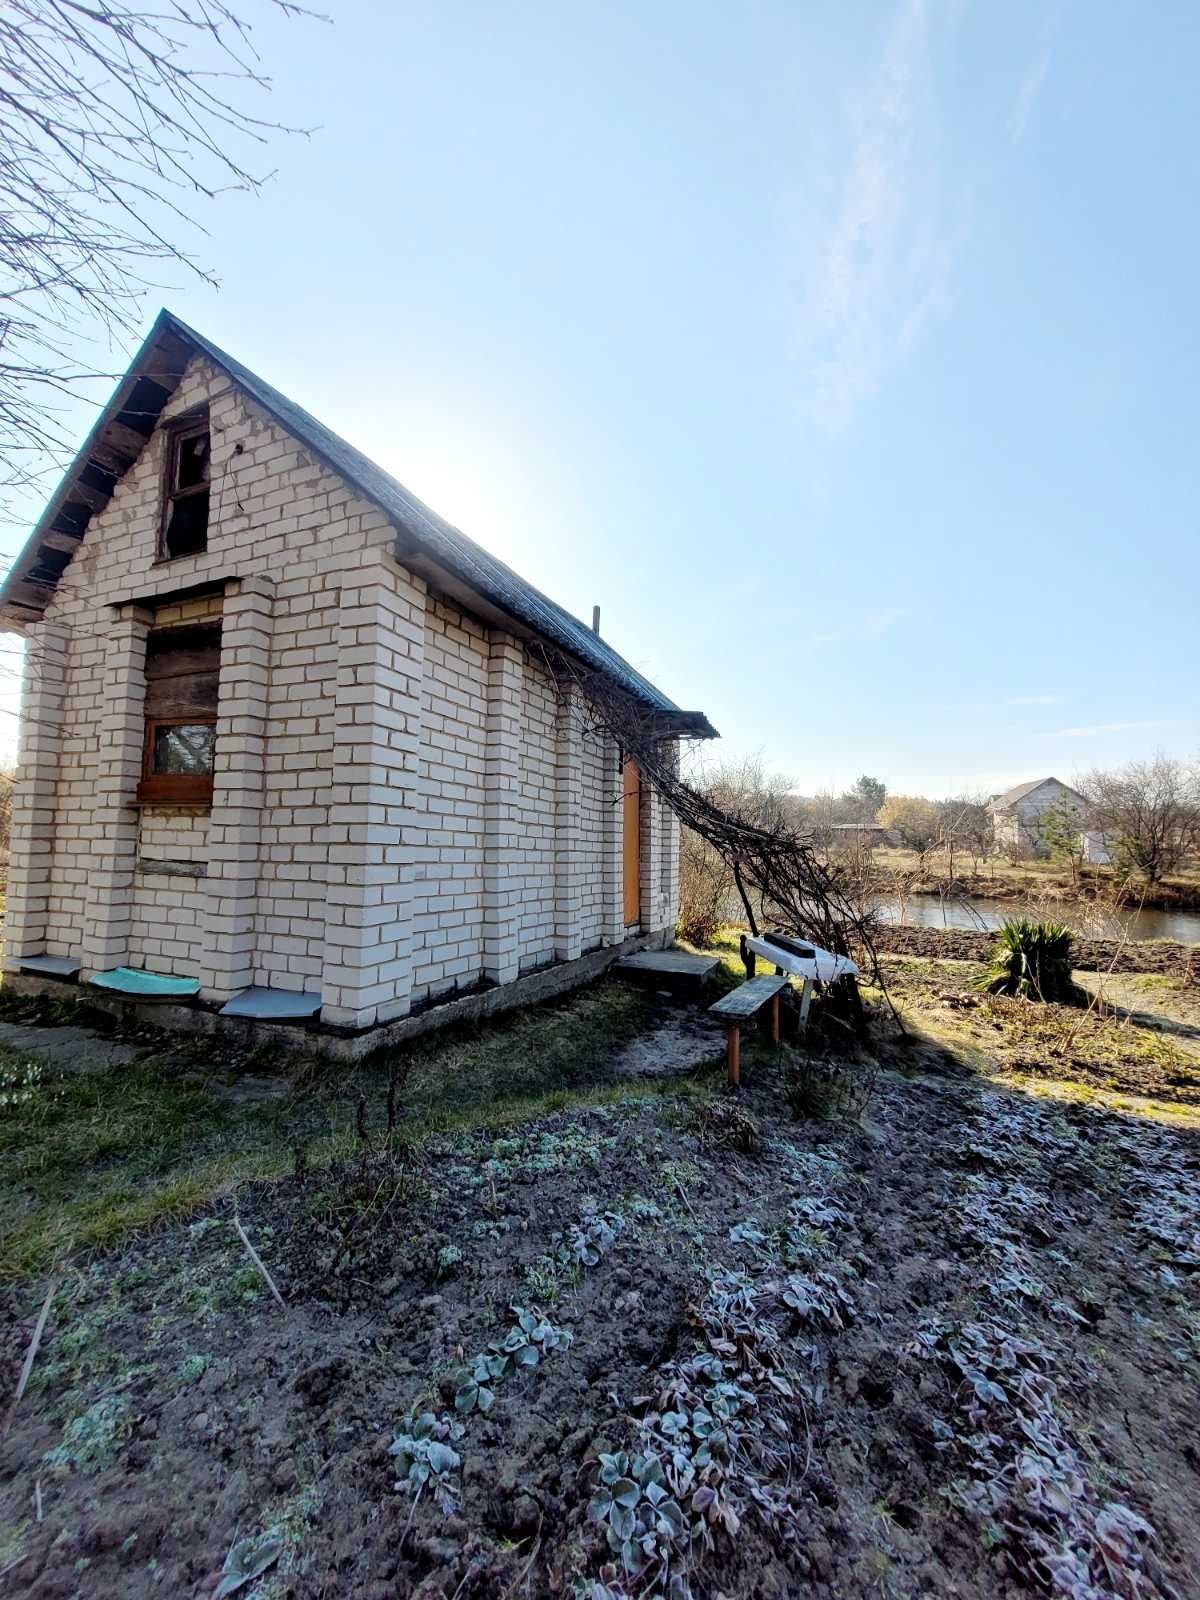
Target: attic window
(182, 673)
(185, 511)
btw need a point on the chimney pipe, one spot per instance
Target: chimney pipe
(596, 620)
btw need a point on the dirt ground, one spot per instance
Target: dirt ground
(657, 1343)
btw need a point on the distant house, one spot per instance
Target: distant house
(1017, 814)
(863, 833)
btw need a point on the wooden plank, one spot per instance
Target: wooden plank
(109, 459)
(68, 543)
(748, 998)
(128, 441)
(670, 963)
(93, 498)
(806, 1001)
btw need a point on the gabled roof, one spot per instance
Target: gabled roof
(1005, 801)
(425, 541)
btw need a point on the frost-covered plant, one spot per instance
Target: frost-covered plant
(424, 1456)
(720, 1437)
(590, 1240)
(643, 1523)
(819, 1300)
(92, 1439)
(448, 1257)
(246, 1560)
(1024, 1476)
(524, 1344)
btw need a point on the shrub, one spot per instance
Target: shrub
(1032, 961)
(828, 1089)
(705, 885)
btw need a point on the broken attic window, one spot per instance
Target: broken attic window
(186, 525)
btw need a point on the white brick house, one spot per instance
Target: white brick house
(1017, 814)
(286, 730)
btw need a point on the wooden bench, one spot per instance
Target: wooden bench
(737, 1007)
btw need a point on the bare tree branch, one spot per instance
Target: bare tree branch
(115, 118)
(773, 862)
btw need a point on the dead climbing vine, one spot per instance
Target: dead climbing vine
(776, 867)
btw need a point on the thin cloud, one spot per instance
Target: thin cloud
(862, 629)
(884, 264)
(1096, 729)
(1035, 75)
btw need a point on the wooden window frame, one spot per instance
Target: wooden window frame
(174, 788)
(178, 431)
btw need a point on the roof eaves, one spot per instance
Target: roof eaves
(419, 527)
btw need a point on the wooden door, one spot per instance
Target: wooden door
(631, 832)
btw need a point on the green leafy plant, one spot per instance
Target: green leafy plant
(1032, 961)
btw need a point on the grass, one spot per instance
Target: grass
(88, 1158)
(1064, 1052)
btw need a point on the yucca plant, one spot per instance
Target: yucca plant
(1032, 961)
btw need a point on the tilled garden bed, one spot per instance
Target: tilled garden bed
(647, 1347)
(1089, 955)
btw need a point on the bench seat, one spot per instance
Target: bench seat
(738, 1006)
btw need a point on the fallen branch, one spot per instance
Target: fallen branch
(779, 874)
(258, 1262)
(31, 1353)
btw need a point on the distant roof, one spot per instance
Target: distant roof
(425, 540)
(1002, 802)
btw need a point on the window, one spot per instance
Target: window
(182, 672)
(185, 509)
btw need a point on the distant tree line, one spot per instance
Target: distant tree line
(1147, 811)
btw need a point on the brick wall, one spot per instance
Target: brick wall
(535, 864)
(399, 806)
(448, 843)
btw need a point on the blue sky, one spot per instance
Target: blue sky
(844, 355)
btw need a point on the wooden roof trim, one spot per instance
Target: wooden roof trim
(116, 440)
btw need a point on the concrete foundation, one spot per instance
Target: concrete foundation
(334, 1044)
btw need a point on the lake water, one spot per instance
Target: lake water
(930, 911)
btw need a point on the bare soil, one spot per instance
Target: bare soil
(953, 1351)
(1089, 955)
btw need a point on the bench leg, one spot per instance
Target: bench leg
(749, 959)
(775, 1019)
(805, 1002)
(733, 1054)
